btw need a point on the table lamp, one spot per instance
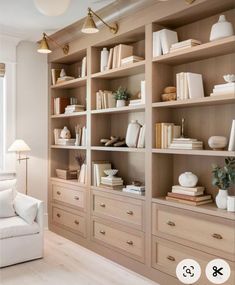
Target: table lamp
(19, 146)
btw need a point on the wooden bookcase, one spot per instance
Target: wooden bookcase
(157, 168)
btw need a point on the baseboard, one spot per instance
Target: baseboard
(46, 221)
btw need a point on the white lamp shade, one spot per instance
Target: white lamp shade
(19, 146)
(52, 7)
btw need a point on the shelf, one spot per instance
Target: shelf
(126, 70)
(203, 51)
(118, 192)
(68, 147)
(121, 149)
(75, 114)
(210, 100)
(202, 152)
(127, 109)
(73, 182)
(77, 82)
(209, 209)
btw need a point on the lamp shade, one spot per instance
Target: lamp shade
(44, 47)
(19, 146)
(89, 26)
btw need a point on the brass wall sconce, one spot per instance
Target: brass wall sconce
(45, 48)
(89, 26)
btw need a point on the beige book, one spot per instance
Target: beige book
(110, 59)
(123, 52)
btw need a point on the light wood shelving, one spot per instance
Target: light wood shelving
(202, 152)
(68, 147)
(118, 149)
(75, 114)
(126, 109)
(70, 84)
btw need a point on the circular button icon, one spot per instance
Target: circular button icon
(188, 271)
(218, 271)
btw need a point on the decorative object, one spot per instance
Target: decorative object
(65, 133)
(62, 73)
(110, 172)
(104, 59)
(132, 133)
(45, 48)
(229, 78)
(223, 178)
(231, 146)
(182, 127)
(52, 7)
(20, 146)
(188, 179)
(221, 29)
(66, 174)
(80, 159)
(78, 132)
(113, 141)
(217, 142)
(231, 204)
(169, 97)
(89, 26)
(121, 95)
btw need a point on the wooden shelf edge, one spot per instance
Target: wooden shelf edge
(69, 181)
(69, 147)
(75, 114)
(222, 153)
(118, 149)
(126, 109)
(70, 83)
(209, 209)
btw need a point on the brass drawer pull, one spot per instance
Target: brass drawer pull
(76, 222)
(172, 224)
(102, 232)
(58, 193)
(130, 213)
(76, 198)
(58, 215)
(171, 258)
(130, 242)
(102, 205)
(217, 236)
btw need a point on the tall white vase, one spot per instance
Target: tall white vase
(221, 199)
(231, 146)
(104, 59)
(221, 29)
(132, 133)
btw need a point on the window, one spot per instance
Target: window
(2, 72)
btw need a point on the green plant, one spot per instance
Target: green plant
(224, 177)
(122, 94)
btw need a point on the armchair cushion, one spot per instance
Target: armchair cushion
(26, 207)
(6, 204)
(7, 184)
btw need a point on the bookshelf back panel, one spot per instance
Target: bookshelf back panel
(59, 159)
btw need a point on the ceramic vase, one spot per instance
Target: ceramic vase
(132, 133)
(120, 103)
(188, 179)
(221, 199)
(221, 29)
(65, 133)
(104, 59)
(217, 142)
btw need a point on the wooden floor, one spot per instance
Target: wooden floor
(66, 263)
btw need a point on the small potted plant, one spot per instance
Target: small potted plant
(121, 95)
(223, 178)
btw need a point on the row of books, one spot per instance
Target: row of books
(224, 89)
(186, 143)
(165, 133)
(81, 136)
(194, 196)
(61, 105)
(117, 53)
(163, 40)
(105, 99)
(184, 45)
(189, 86)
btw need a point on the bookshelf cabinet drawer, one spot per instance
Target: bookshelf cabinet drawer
(69, 220)
(128, 243)
(130, 211)
(194, 229)
(69, 196)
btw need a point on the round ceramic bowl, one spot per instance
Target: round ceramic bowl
(229, 78)
(111, 172)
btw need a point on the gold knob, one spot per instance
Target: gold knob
(76, 222)
(171, 258)
(130, 242)
(102, 232)
(172, 224)
(130, 213)
(58, 193)
(76, 198)
(102, 205)
(58, 215)
(217, 236)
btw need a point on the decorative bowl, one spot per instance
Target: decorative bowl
(217, 142)
(229, 78)
(111, 172)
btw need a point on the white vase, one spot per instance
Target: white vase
(188, 179)
(132, 133)
(104, 59)
(65, 133)
(221, 199)
(221, 29)
(120, 103)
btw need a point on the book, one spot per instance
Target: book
(98, 171)
(84, 136)
(131, 59)
(157, 47)
(124, 51)
(188, 197)
(64, 79)
(188, 42)
(141, 139)
(167, 38)
(117, 187)
(231, 145)
(166, 133)
(99, 100)
(191, 189)
(55, 74)
(110, 99)
(135, 102)
(192, 203)
(115, 54)
(128, 190)
(82, 174)
(136, 188)
(60, 104)
(65, 141)
(185, 192)
(84, 67)
(195, 85)
(110, 59)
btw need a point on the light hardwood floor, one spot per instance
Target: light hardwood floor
(67, 263)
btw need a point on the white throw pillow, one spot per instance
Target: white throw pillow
(25, 208)
(7, 184)
(6, 203)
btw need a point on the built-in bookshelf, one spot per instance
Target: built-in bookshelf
(157, 168)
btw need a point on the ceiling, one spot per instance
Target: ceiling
(20, 18)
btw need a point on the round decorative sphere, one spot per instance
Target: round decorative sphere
(111, 172)
(217, 142)
(188, 179)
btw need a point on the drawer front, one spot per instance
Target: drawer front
(214, 235)
(73, 222)
(69, 196)
(166, 256)
(126, 242)
(113, 208)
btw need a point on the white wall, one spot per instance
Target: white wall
(31, 117)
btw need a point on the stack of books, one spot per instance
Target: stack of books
(163, 40)
(165, 133)
(66, 142)
(74, 108)
(117, 53)
(131, 59)
(105, 99)
(58, 105)
(112, 183)
(139, 190)
(194, 196)
(186, 143)
(98, 168)
(189, 86)
(224, 89)
(184, 45)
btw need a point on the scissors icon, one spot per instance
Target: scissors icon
(217, 271)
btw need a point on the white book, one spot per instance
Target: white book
(111, 101)
(186, 88)
(181, 86)
(157, 47)
(195, 85)
(133, 191)
(110, 59)
(168, 38)
(99, 171)
(84, 137)
(178, 86)
(222, 91)
(98, 101)
(231, 146)
(225, 85)
(136, 188)
(83, 73)
(141, 139)
(178, 191)
(82, 174)
(189, 42)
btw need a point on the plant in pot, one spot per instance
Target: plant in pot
(223, 178)
(121, 95)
